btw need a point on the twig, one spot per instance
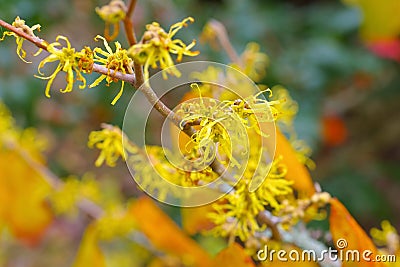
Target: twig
(131, 8)
(265, 217)
(130, 78)
(223, 39)
(33, 39)
(130, 34)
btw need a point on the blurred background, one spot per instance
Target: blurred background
(343, 73)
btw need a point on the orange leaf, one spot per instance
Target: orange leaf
(344, 227)
(164, 234)
(195, 219)
(23, 206)
(233, 256)
(296, 171)
(89, 253)
(334, 131)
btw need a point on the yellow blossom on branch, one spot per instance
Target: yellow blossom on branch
(67, 62)
(112, 14)
(156, 45)
(235, 215)
(64, 199)
(20, 24)
(109, 141)
(116, 61)
(253, 62)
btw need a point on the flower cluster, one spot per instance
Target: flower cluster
(156, 46)
(112, 14)
(69, 62)
(28, 138)
(118, 61)
(64, 200)
(306, 209)
(115, 222)
(254, 62)
(20, 24)
(235, 215)
(109, 142)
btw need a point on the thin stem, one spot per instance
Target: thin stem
(131, 36)
(33, 39)
(223, 39)
(130, 78)
(265, 217)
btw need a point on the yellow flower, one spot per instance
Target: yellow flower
(286, 107)
(112, 14)
(68, 63)
(116, 221)
(156, 46)
(254, 62)
(117, 61)
(20, 24)
(235, 214)
(64, 199)
(6, 120)
(109, 141)
(311, 208)
(388, 236)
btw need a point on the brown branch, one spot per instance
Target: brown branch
(131, 8)
(265, 217)
(33, 39)
(223, 39)
(130, 78)
(130, 34)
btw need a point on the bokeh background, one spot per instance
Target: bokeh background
(348, 96)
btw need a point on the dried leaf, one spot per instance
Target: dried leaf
(233, 256)
(296, 171)
(348, 235)
(165, 235)
(23, 191)
(195, 220)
